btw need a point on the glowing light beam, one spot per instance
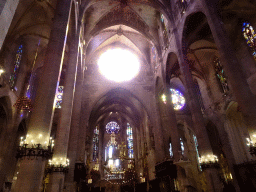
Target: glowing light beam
(119, 65)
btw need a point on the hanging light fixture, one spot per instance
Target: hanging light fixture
(23, 103)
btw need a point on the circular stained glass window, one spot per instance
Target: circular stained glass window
(119, 65)
(178, 99)
(112, 127)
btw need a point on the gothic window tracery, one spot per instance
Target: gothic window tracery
(221, 75)
(13, 76)
(196, 147)
(129, 140)
(178, 99)
(182, 146)
(112, 127)
(250, 37)
(165, 33)
(170, 150)
(59, 96)
(154, 58)
(96, 144)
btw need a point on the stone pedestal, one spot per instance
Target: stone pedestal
(166, 173)
(30, 176)
(56, 183)
(213, 182)
(246, 177)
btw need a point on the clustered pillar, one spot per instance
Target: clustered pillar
(232, 67)
(31, 171)
(205, 148)
(173, 127)
(62, 135)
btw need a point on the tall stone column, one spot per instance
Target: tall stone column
(204, 146)
(74, 129)
(169, 124)
(175, 138)
(232, 67)
(213, 182)
(158, 134)
(165, 124)
(194, 105)
(31, 170)
(62, 134)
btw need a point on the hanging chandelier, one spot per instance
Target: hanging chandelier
(23, 103)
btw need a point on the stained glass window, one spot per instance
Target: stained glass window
(14, 74)
(170, 150)
(153, 55)
(59, 96)
(178, 99)
(250, 37)
(110, 152)
(182, 146)
(154, 58)
(95, 144)
(221, 75)
(164, 98)
(162, 18)
(197, 152)
(165, 33)
(129, 140)
(112, 127)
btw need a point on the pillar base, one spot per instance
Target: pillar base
(56, 183)
(246, 175)
(212, 178)
(166, 173)
(30, 177)
(166, 168)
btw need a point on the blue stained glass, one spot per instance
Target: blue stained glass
(250, 37)
(182, 147)
(13, 76)
(178, 99)
(162, 18)
(129, 140)
(165, 34)
(130, 153)
(95, 144)
(197, 152)
(170, 150)
(112, 127)
(59, 96)
(58, 104)
(60, 89)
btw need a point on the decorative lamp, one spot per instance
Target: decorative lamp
(23, 103)
(252, 146)
(209, 161)
(58, 165)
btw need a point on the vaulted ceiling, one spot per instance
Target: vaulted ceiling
(129, 24)
(133, 23)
